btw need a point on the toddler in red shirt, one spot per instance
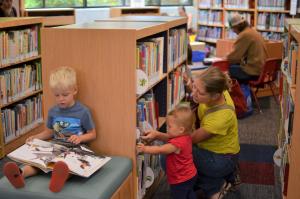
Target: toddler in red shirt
(180, 169)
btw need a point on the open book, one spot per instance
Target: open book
(43, 154)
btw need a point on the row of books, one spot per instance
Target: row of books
(177, 48)
(176, 91)
(209, 33)
(210, 3)
(228, 15)
(290, 68)
(272, 36)
(271, 4)
(21, 117)
(19, 82)
(147, 119)
(149, 56)
(287, 111)
(147, 111)
(241, 4)
(17, 45)
(285, 131)
(210, 17)
(148, 169)
(270, 21)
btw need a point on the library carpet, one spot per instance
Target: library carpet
(256, 164)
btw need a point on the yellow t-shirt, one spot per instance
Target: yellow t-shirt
(223, 125)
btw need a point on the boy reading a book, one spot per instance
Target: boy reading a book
(180, 169)
(68, 121)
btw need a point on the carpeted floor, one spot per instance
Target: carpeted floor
(258, 138)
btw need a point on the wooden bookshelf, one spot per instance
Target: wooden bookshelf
(13, 59)
(53, 16)
(291, 98)
(126, 11)
(104, 55)
(251, 9)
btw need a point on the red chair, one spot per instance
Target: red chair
(223, 65)
(267, 77)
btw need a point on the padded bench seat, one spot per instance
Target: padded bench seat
(101, 185)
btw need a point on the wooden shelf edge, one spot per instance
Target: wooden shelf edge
(58, 20)
(273, 11)
(211, 25)
(8, 22)
(240, 9)
(20, 62)
(21, 98)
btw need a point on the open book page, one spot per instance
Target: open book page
(42, 154)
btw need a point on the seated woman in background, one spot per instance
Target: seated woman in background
(7, 9)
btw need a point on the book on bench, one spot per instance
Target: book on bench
(44, 154)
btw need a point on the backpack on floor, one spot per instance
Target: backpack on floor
(247, 94)
(238, 98)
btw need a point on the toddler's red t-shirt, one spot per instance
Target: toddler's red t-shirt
(180, 167)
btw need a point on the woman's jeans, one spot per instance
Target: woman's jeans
(236, 72)
(213, 170)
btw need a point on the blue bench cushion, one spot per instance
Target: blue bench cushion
(101, 185)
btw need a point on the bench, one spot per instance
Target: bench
(109, 182)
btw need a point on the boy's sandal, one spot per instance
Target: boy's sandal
(60, 174)
(14, 174)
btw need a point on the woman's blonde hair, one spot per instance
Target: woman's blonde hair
(63, 78)
(215, 81)
(183, 116)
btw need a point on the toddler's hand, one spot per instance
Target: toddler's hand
(149, 135)
(140, 148)
(74, 139)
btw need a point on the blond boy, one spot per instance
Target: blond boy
(69, 121)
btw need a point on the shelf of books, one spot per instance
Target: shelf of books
(129, 78)
(266, 16)
(20, 80)
(288, 137)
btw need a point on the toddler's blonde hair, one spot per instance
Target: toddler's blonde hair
(63, 78)
(184, 117)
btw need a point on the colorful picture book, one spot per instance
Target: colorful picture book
(44, 154)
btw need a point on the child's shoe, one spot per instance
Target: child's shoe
(59, 176)
(14, 174)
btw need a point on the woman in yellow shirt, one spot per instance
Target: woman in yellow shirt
(216, 141)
